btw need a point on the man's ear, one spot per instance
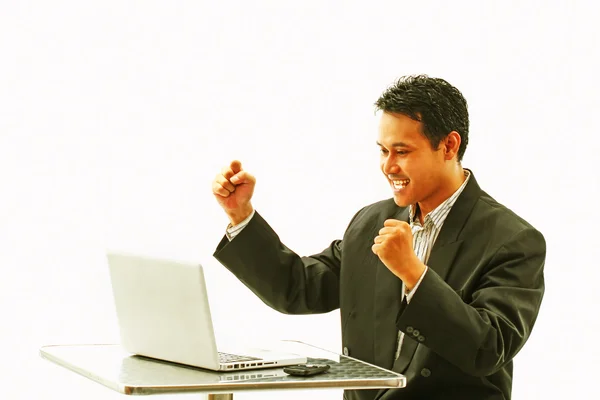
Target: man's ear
(451, 145)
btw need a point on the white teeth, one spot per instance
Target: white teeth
(398, 184)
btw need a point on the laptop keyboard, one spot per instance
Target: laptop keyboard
(228, 358)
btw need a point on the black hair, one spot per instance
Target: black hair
(437, 104)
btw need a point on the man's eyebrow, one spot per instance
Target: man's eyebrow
(397, 144)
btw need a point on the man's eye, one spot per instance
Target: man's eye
(402, 152)
(383, 151)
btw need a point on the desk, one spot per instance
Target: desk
(112, 367)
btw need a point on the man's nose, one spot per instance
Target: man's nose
(390, 167)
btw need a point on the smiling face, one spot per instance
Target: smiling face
(416, 172)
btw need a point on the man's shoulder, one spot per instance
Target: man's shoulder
(482, 215)
(497, 217)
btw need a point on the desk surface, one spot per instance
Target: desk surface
(111, 366)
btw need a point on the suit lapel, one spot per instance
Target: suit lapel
(441, 258)
(388, 289)
(447, 243)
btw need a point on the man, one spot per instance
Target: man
(441, 283)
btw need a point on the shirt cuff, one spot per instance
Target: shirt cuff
(233, 231)
(410, 294)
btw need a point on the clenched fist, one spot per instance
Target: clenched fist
(233, 189)
(394, 247)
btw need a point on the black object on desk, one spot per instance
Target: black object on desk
(306, 369)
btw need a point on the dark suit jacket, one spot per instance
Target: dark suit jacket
(470, 316)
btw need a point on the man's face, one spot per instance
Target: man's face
(413, 169)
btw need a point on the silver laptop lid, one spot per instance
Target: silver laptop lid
(162, 309)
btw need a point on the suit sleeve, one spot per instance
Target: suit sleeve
(482, 335)
(279, 277)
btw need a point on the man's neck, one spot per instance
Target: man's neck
(448, 189)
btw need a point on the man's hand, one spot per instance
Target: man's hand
(233, 189)
(394, 247)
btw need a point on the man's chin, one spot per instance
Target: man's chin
(401, 201)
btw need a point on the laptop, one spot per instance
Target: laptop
(163, 313)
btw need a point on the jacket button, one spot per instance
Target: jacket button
(425, 373)
(346, 352)
(409, 329)
(421, 338)
(416, 333)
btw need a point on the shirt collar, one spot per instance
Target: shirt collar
(438, 215)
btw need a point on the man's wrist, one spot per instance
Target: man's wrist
(233, 231)
(239, 216)
(414, 277)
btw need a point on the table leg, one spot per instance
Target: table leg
(224, 396)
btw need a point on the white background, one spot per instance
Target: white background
(116, 115)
